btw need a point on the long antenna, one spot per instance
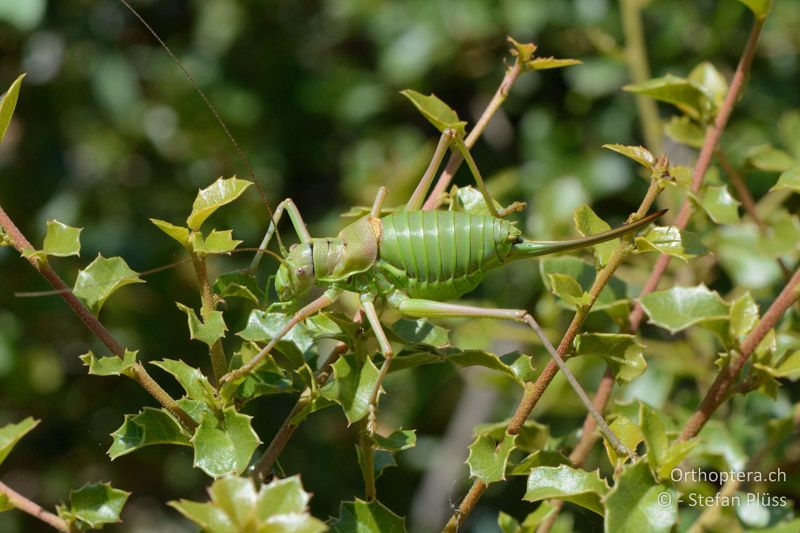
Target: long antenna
(242, 157)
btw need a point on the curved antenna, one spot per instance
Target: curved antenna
(242, 157)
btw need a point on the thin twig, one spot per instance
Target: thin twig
(219, 363)
(32, 508)
(140, 375)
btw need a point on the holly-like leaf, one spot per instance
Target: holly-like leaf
(436, 111)
(788, 180)
(110, 365)
(686, 131)
(537, 459)
(671, 241)
(421, 332)
(786, 366)
(216, 195)
(769, 159)
(743, 315)
(60, 241)
(567, 483)
(638, 503)
(488, 459)
(545, 63)
(532, 436)
(588, 223)
(224, 446)
(367, 517)
(237, 505)
(94, 505)
(397, 441)
(674, 455)
(655, 436)
(98, 281)
(179, 233)
(263, 326)
(680, 92)
(238, 285)
(217, 242)
(614, 293)
(628, 433)
(718, 203)
(760, 8)
(568, 289)
(640, 154)
(10, 435)
(208, 331)
(151, 426)
(352, 386)
(8, 103)
(621, 352)
(470, 200)
(191, 379)
(678, 308)
(711, 81)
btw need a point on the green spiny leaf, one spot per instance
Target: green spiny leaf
(217, 242)
(110, 365)
(98, 281)
(636, 504)
(216, 195)
(678, 308)
(671, 241)
(640, 154)
(352, 386)
(612, 294)
(437, 112)
(208, 331)
(568, 289)
(588, 223)
(711, 82)
(788, 180)
(629, 434)
(532, 435)
(682, 93)
(655, 436)
(224, 446)
(367, 517)
(743, 315)
(397, 441)
(717, 201)
(191, 379)
(151, 426)
(238, 285)
(421, 332)
(94, 505)
(179, 233)
(488, 459)
(569, 484)
(622, 353)
(10, 435)
(537, 459)
(60, 241)
(676, 453)
(7, 105)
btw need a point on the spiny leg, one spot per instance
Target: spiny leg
(418, 197)
(386, 349)
(320, 303)
(297, 221)
(433, 309)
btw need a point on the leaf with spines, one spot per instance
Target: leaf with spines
(110, 365)
(537, 459)
(718, 203)
(93, 506)
(636, 504)
(588, 223)
(216, 195)
(678, 308)
(352, 386)
(59, 241)
(179, 233)
(420, 332)
(788, 180)
(225, 446)
(670, 240)
(488, 458)
(10, 435)
(640, 154)
(216, 242)
(7, 104)
(532, 435)
(514, 365)
(684, 94)
(367, 517)
(567, 483)
(98, 281)
(237, 505)
(621, 352)
(567, 288)
(238, 285)
(628, 433)
(147, 428)
(436, 111)
(614, 293)
(209, 330)
(397, 441)
(191, 379)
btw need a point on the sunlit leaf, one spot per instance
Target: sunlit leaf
(671, 241)
(151, 426)
(588, 223)
(678, 308)
(655, 435)
(7, 105)
(437, 112)
(612, 294)
(179, 233)
(568, 289)
(744, 315)
(628, 433)
(488, 458)
(544, 63)
(537, 459)
(110, 365)
(711, 81)
(216, 242)
(367, 517)
(224, 446)
(191, 379)
(93, 506)
(686, 131)
(674, 455)
(640, 154)
(216, 195)
(717, 201)
(760, 8)
(789, 179)
(682, 93)
(10, 435)
(532, 435)
(98, 281)
(60, 241)
(208, 331)
(622, 353)
(636, 503)
(352, 386)
(569, 484)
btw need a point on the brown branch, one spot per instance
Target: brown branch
(140, 375)
(34, 509)
(720, 389)
(710, 142)
(534, 390)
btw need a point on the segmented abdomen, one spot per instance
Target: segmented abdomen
(444, 254)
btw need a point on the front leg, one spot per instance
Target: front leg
(297, 222)
(419, 308)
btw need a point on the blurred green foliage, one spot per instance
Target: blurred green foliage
(109, 133)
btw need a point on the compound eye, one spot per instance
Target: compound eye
(300, 271)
